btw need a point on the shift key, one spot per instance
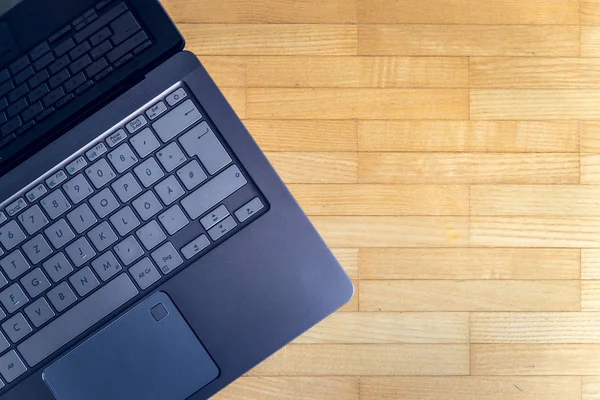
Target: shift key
(213, 192)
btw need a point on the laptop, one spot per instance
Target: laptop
(148, 250)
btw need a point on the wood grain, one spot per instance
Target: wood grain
(468, 40)
(359, 72)
(370, 359)
(349, 260)
(484, 12)
(347, 199)
(589, 12)
(226, 71)
(316, 167)
(361, 103)
(237, 98)
(589, 41)
(468, 168)
(590, 295)
(590, 137)
(470, 136)
(590, 387)
(471, 263)
(430, 295)
(472, 387)
(590, 263)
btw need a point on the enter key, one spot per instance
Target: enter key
(201, 141)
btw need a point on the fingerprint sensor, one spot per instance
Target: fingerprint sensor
(159, 312)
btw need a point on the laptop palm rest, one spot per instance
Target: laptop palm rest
(149, 353)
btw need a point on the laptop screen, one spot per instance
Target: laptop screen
(6, 5)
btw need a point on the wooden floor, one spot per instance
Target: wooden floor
(449, 152)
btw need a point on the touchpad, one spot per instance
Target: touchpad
(149, 353)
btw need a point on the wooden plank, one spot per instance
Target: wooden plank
(431, 295)
(226, 71)
(288, 388)
(534, 72)
(468, 40)
(263, 11)
(363, 231)
(304, 136)
(270, 39)
(470, 387)
(589, 41)
(486, 12)
(352, 305)
(590, 12)
(590, 295)
(365, 328)
(367, 359)
(469, 136)
(535, 359)
(349, 260)
(590, 137)
(237, 98)
(590, 387)
(316, 167)
(358, 72)
(364, 199)
(571, 232)
(535, 104)
(563, 200)
(590, 168)
(469, 263)
(554, 327)
(465, 168)
(590, 264)
(324, 103)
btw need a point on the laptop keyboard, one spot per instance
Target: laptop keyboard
(66, 65)
(113, 221)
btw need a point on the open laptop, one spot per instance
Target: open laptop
(148, 250)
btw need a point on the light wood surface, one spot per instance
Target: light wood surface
(449, 153)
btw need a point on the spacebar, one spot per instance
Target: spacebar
(79, 318)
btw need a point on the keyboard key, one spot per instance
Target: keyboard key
(75, 82)
(59, 64)
(216, 215)
(81, 218)
(101, 50)
(123, 60)
(128, 250)
(37, 249)
(84, 281)
(76, 165)
(13, 298)
(39, 50)
(127, 46)
(148, 172)
(3, 106)
(123, 27)
(4, 75)
(24, 75)
(104, 203)
(33, 219)
(142, 47)
(169, 190)
(78, 319)
(191, 175)
(57, 267)
(102, 236)
(43, 62)
(30, 113)
(116, 138)
(56, 179)
(63, 31)
(4, 344)
(78, 189)
(14, 264)
(96, 151)
(136, 124)
(37, 80)
(19, 64)
(17, 328)
(86, 86)
(195, 246)
(222, 228)
(39, 312)
(16, 206)
(38, 93)
(3, 118)
(151, 235)
(17, 107)
(100, 36)
(61, 297)
(201, 141)
(176, 96)
(45, 114)
(106, 266)
(96, 67)
(55, 204)
(144, 273)
(122, 158)
(213, 192)
(100, 173)
(59, 234)
(80, 252)
(19, 92)
(171, 157)
(59, 78)
(101, 22)
(62, 102)
(35, 282)
(147, 205)
(6, 87)
(167, 258)
(64, 47)
(125, 221)
(145, 142)
(173, 220)
(126, 188)
(177, 120)
(53, 97)
(156, 110)
(36, 193)
(11, 366)
(11, 235)
(80, 64)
